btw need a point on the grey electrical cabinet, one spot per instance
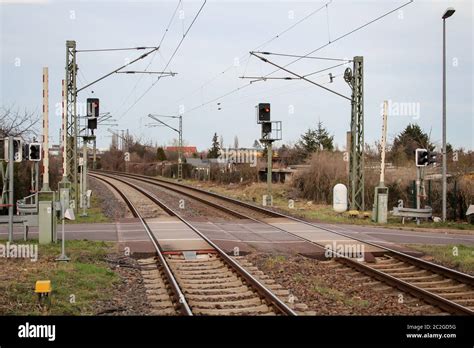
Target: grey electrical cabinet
(383, 207)
(46, 222)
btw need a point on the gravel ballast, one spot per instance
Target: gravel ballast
(329, 289)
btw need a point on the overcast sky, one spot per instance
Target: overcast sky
(402, 59)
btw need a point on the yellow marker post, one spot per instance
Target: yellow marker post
(43, 288)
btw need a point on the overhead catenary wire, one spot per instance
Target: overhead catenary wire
(246, 56)
(325, 69)
(264, 78)
(301, 56)
(249, 84)
(116, 49)
(345, 35)
(153, 57)
(120, 68)
(169, 60)
(327, 21)
(309, 53)
(302, 77)
(271, 91)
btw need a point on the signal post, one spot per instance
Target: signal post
(271, 131)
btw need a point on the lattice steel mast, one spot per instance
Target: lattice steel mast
(356, 161)
(71, 118)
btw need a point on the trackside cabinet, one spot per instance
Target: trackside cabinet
(46, 222)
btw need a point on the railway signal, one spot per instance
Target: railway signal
(34, 152)
(17, 150)
(92, 113)
(266, 129)
(263, 112)
(431, 158)
(421, 157)
(271, 131)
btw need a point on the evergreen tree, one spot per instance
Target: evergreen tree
(411, 138)
(308, 143)
(315, 140)
(160, 154)
(323, 139)
(215, 148)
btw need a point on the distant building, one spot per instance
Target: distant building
(188, 151)
(55, 150)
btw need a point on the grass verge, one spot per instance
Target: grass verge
(459, 257)
(78, 286)
(94, 213)
(308, 210)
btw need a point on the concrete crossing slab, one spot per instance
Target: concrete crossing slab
(318, 235)
(175, 235)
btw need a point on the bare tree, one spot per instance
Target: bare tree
(13, 122)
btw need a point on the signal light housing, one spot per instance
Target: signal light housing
(34, 152)
(263, 112)
(266, 128)
(92, 112)
(421, 157)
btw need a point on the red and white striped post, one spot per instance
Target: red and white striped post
(45, 186)
(64, 128)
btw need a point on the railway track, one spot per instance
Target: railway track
(449, 290)
(208, 283)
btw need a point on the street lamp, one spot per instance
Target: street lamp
(448, 13)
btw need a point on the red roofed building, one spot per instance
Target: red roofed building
(188, 151)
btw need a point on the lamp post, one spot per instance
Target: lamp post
(448, 13)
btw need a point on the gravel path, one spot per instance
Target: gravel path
(329, 289)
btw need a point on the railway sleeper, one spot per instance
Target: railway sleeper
(409, 274)
(385, 259)
(262, 309)
(246, 303)
(226, 275)
(453, 288)
(219, 297)
(231, 290)
(156, 291)
(202, 270)
(421, 278)
(154, 283)
(384, 265)
(395, 270)
(191, 264)
(435, 282)
(158, 297)
(211, 281)
(457, 295)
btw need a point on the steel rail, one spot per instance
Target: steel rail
(429, 297)
(462, 277)
(256, 284)
(183, 304)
